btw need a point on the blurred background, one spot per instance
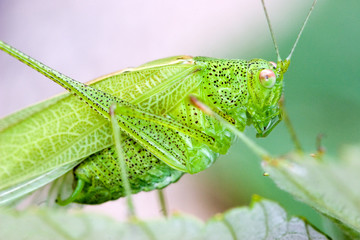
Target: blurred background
(87, 39)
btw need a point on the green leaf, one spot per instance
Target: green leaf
(332, 188)
(263, 220)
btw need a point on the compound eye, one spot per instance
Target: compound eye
(267, 78)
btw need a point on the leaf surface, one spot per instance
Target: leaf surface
(332, 188)
(263, 220)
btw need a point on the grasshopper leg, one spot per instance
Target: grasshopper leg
(166, 122)
(289, 125)
(119, 150)
(162, 202)
(209, 111)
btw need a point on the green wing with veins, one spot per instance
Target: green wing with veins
(64, 130)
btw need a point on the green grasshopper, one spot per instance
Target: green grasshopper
(163, 134)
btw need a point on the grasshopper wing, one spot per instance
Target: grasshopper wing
(51, 137)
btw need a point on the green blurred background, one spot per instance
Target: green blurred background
(322, 97)
(86, 39)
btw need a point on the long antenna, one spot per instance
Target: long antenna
(301, 30)
(271, 31)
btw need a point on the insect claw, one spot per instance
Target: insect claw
(79, 187)
(200, 105)
(112, 109)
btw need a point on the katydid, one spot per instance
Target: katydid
(163, 134)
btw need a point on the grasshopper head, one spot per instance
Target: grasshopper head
(265, 84)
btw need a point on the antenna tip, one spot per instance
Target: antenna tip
(302, 29)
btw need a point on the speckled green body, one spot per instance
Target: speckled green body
(223, 84)
(163, 136)
(101, 171)
(75, 128)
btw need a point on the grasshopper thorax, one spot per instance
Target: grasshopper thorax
(247, 91)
